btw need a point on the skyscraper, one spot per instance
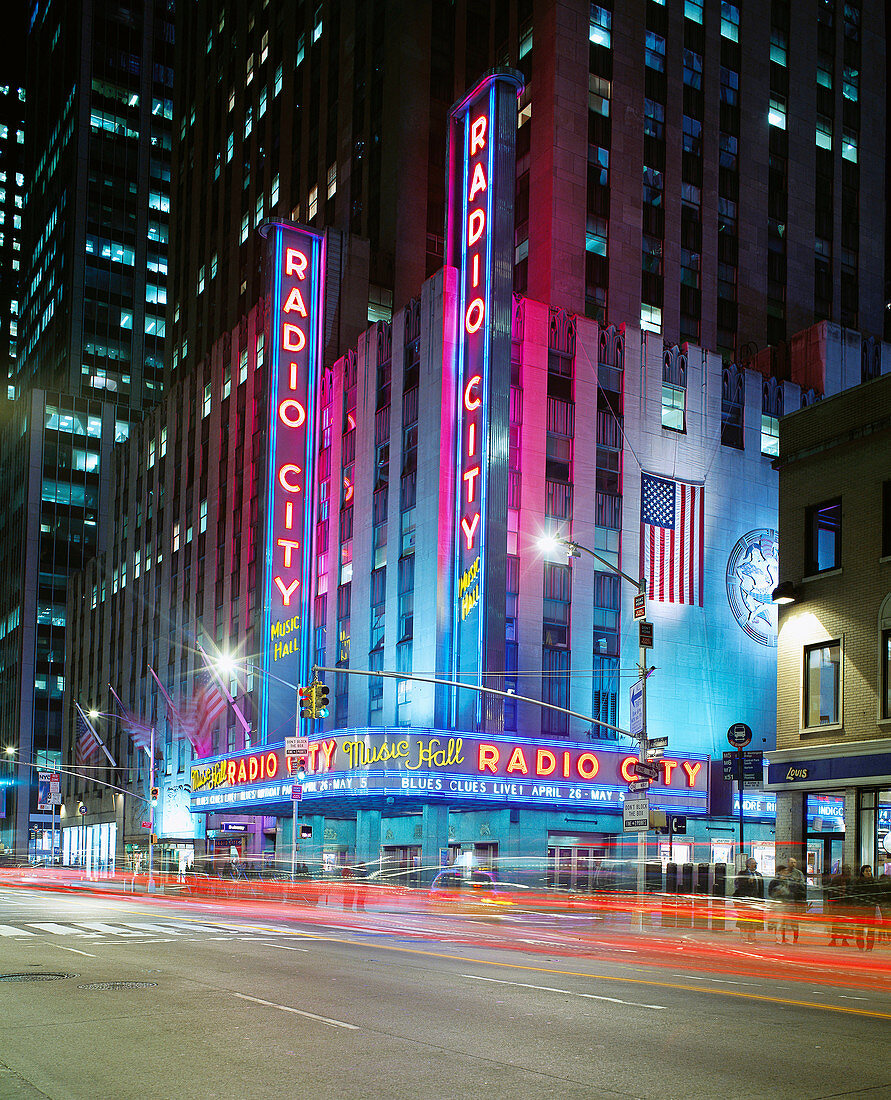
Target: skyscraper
(90, 335)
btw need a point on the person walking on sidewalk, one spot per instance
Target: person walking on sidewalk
(863, 901)
(748, 892)
(780, 893)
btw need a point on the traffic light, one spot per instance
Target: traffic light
(154, 795)
(300, 768)
(306, 832)
(153, 838)
(307, 697)
(321, 700)
(679, 826)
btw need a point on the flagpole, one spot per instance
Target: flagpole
(151, 881)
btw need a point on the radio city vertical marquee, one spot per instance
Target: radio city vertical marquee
(295, 339)
(480, 244)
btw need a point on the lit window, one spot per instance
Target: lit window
(776, 115)
(301, 49)
(245, 227)
(201, 278)
(312, 203)
(822, 533)
(242, 366)
(264, 47)
(824, 74)
(650, 318)
(151, 454)
(258, 211)
(655, 52)
(600, 26)
(317, 28)
(202, 516)
(262, 108)
(332, 180)
(205, 406)
(249, 70)
(163, 450)
(730, 21)
(227, 384)
(674, 406)
(230, 147)
(849, 146)
(126, 319)
(599, 92)
(277, 86)
(822, 684)
(851, 84)
(778, 46)
(248, 122)
(213, 266)
(824, 132)
(175, 537)
(261, 340)
(693, 10)
(770, 435)
(273, 192)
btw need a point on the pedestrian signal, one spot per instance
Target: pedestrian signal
(322, 700)
(306, 832)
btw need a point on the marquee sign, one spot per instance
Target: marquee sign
(447, 765)
(295, 339)
(480, 244)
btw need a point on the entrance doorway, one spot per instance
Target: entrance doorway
(574, 866)
(401, 864)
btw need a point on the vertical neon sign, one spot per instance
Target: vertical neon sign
(295, 338)
(480, 244)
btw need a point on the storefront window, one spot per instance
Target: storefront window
(822, 683)
(883, 832)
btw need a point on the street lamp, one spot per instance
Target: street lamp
(551, 544)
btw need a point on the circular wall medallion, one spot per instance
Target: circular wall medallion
(751, 578)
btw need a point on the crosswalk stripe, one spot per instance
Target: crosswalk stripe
(60, 929)
(109, 929)
(8, 930)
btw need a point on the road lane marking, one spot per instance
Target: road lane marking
(284, 947)
(62, 929)
(8, 930)
(567, 992)
(702, 989)
(298, 1012)
(75, 951)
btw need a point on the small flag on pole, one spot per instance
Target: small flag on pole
(88, 741)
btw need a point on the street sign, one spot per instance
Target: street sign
(644, 769)
(146, 824)
(637, 785)
(296, 792)
(290, 746)
(654, 753)
(739, 735)
(658, 742)
(636, 816)
(637, 716)
(645, 634)
(640, 605)
(752, 767)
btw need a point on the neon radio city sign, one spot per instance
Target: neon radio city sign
(296, 298)
(447, 754)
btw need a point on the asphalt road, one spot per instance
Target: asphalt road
(221, 1001)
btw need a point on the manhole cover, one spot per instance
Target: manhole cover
(117, 985)
(34, 977)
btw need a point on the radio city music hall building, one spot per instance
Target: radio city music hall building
(384, 514)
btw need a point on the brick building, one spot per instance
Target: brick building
(832, 766)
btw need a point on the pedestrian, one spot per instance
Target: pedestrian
(836, 901)
(798, 886)
(780, 893)
(346, 874)
(862, 900)
(883, 900)
(748, 891)
(360, 873)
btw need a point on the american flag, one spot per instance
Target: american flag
(88, 743)
(199, 717)
(140, 731)
(672, 523)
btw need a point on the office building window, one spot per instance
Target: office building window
(822, 684)
(770, 435)
(822, 537)
(674, 402)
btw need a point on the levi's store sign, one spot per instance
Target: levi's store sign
(295, 296)
(387, 763)
(480, 244)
